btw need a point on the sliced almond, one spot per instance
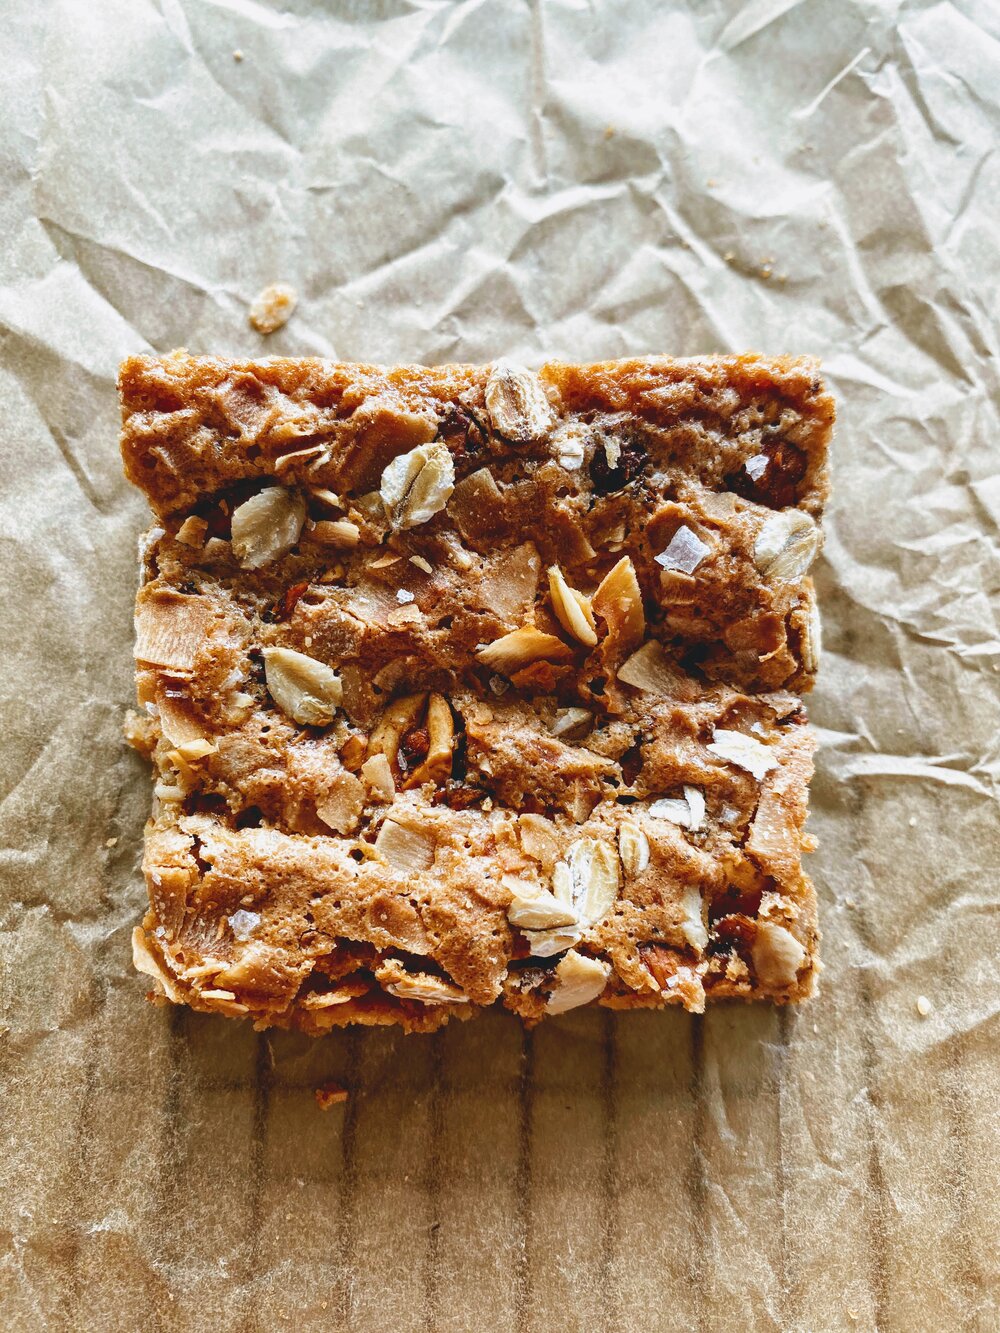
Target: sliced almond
(436, 767)
(786, 545)
(579, 980)
(404, 847)
(521, 647)
(572, 609)
(736, 747)
(534, 908)
(307, 691)
(777, 955)
(618, 600)
(633, 848)
(267, 526)
(340, 533)
(516, 402)
(417, 485)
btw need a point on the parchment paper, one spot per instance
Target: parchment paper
(456, 181)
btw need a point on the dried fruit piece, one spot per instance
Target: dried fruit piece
(633, 848)
(579, 980)
(689, 812)
(267, 526)
(736, 747)
(777, 955)
(417, 485)
(685, 552)
(618, 600)
(273, 307)
(404, 847)
(572, 609)
(516, 402)
(340, 533)
(308, 691)
(786, 545)
(515, 650)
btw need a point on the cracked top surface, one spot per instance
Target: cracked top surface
(469, 682)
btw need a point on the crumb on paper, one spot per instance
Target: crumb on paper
(237, 56)
(609, 132)
(924, 1006)
(329, 1094)
(273, 307)
(111, 842)
(729, 256)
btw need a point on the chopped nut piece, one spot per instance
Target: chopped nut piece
(650, 669)
(572, 723)
(377, 776)
(786, 545)
(441, 730)
(405, 848)
(777, 955)
(579, 980)
(685, 552)
(572, 609)
(267, 526)
(308, 691)
(736, 747)
(339, 533)
(521, 646)
(633, 848)
(330, 1094)
(273, 307)
(689, 813)
(192, 531)
(535, 908)
(516, 402)
(417, 485)
(693, 926)
(618, 600)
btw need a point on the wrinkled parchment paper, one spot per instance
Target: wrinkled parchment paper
(455, 181)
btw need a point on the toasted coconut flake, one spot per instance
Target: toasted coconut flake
(426, 988)
(144, 960)
(171, 629)
(685, 552)
(688, 812)
(579, 980)
(417, 485)
(267, 526)
(510, 584)
(786, 545)
(516, 402)
(521, 647)
(340, 809)
(618, 600)
(307, 691)
(377, 777)
(572, 609)
(736, 747)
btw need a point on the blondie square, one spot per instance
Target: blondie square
(467, 685)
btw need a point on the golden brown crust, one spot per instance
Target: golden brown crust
(465, 684)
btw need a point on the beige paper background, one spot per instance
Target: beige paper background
(454, 181)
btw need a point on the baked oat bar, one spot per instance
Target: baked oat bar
(475, 684)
